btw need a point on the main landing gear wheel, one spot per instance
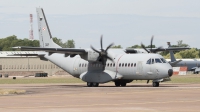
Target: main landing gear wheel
(89, 84)
(123, 84)
(155, 84)
(94, 84)
(117, 84)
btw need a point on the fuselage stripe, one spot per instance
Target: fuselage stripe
(117, 63)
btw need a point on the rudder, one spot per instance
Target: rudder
(45, 36)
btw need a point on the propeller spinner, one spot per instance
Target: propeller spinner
(103, 54)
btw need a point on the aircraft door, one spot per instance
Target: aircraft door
(139, 68)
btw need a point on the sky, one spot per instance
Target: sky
(122, 22)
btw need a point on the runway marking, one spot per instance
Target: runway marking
(92, 105)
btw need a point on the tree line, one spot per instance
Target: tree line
(7, 43)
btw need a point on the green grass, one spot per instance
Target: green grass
(185, 79)
(49, 80)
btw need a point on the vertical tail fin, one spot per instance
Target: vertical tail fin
(173, 59)
(45, 36)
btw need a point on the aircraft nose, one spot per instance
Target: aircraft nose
(170, 72)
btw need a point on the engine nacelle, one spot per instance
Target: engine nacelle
(100, 77)
(91, 56)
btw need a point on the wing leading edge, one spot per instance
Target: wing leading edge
(132, 50)
(54, 50)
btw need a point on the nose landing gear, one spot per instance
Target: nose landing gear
(155, 84)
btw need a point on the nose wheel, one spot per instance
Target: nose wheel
(155, 84)
(92, 84)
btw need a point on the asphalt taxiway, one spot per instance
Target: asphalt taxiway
(106, 98)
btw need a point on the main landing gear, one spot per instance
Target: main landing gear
(155, 84)
(117, 84)
(92, 84)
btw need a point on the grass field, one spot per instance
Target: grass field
(48, 80)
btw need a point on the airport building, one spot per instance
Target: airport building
(26, 65)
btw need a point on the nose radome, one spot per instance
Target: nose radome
(170, 72)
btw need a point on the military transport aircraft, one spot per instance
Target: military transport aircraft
(192, 64)
(96, 66)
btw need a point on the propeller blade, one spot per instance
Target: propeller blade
(101, 42)
(103, 62)
(109, 58)
(142, 45)
(151, 42)
(109, 46)
(95, 49)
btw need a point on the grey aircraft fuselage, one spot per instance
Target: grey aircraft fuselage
(127, 66)
(189, 63)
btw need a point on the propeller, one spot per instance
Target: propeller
(151, 45)
(103, 54)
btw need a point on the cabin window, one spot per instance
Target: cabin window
(82, 65)
(120, 65)
(135, 65)
(157, 60)
(108, 65)
(131, 64)
(113, 65)
(128, 64)
(149, 61)
(163, 60)
(79, 65)
(85, 65)
(125, 64)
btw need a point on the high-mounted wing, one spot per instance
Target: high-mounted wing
(168, 49)
(54, 50)
(154, 50)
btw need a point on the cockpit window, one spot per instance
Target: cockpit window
(163, 60)
(149, 61)
(157, 60)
